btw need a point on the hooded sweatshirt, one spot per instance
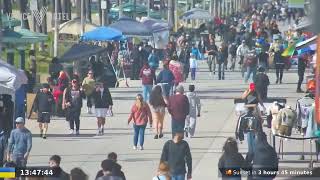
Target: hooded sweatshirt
(194, 104)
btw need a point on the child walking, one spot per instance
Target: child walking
(140, 114)
(193, 66)
(195, 108)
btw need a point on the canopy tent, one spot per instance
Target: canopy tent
(8, 21)
(131, 28)
(73, 27)
(23, 36)
(196, 13)
(11, 77)
(102, 34)
(80, 51)
(155, 25)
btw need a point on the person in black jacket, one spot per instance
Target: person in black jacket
(232, 160)
(116, 170)
(43, 104)
(73, 104)
(262, 82)
(302, 64)
(103, 105)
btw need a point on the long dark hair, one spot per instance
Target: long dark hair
(156, 98)
(230, 146)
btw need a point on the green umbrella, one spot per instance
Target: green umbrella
(23, 36)
(8, 21)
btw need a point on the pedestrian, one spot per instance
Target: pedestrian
(148, 78)
(33, 67)
(212, 50)
(54, 69)
(135, 61)
(193, 66)
(166, 78)
(232, 160)
(262, 82)
(177, 153)
(242, 50)
(195, 109)
(20, 144)
(225, 53)
(184, 57)
(252, 98)
(251, 63)
(163, 172)
(264, 157)
(60, 174)
(107, 166)
(116, 170)
(141, 115)
(220, 62)
(73, 104)
(103, 105)
(158, 109)
(78, 174)
(42, 105)
(178, 107)
(153, 60)
(88, 85)
(63, 81)
(233, 55)
(195, 51)
(302, 64)
(263, 59)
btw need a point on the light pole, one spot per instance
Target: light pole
(56, 30)
(148, 1)
(82, 17)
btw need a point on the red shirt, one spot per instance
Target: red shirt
(178, 107)
(147, 75)
(140, 116)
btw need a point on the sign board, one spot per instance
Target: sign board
(103, 4)
(296, 3)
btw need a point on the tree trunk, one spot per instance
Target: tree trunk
(170, 14)
(100, 12)
(69, 7)
(88, 11)
(23, 10)
(44, 25)
(78, 8)
(7, 7)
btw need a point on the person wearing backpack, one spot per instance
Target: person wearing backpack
(264, 157)
(251, 65)
(176, 153)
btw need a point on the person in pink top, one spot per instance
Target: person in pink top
(141, 115)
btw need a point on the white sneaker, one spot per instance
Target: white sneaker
(71, 131)
(141, 148)
(99, 132)
(134, 148)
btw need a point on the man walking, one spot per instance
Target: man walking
(20, 144)
(241, 52)
(212, 50)
(302, 64)
(43, 106)
(179, 109)
(195, 109)
(148, 78)
(54, 162)
(177, 153)
(251, 64)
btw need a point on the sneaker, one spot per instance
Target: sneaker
(102, 131)
(160, 136)
(141, 148)
(156, 136)
(71, 131)
(44, 137)
(99, 132)
(77, 133)
(134, 148)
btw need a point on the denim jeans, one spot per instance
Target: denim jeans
(251, 70)
(177, 126)
(221, 71)
(146, 92)
(167, 89)
(251, 141)
(193, 73)
(19, 160)
(139, 134)
(178, 177)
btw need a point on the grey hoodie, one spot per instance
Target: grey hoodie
(194, 103)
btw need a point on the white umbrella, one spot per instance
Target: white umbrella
(73, 27)
(196, 13)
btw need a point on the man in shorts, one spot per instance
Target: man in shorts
(42, 105)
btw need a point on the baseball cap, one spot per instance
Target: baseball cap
(20, 120)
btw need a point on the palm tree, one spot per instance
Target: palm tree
(23, 4)
(78, 8)
(100, 12)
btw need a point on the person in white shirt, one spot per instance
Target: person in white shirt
(193, 66)
(242, 51)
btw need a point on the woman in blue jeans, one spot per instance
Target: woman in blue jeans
(141, 115)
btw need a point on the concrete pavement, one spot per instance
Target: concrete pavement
(217, 122)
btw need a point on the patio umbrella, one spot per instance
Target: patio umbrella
(80, 51)
(102, 34)
(131, 28)
(8, 21)
(23, 36)
(196, 13)
(155, 25)
(73, 27)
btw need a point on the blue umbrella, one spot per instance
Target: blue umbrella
(102, 34)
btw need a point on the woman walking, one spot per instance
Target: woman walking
(103, 104)
(88, 85)
(158, 106)
(73, 103)
(141, 115)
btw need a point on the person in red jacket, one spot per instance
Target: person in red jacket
(179, 109)
(148, 77)
(141, 115)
